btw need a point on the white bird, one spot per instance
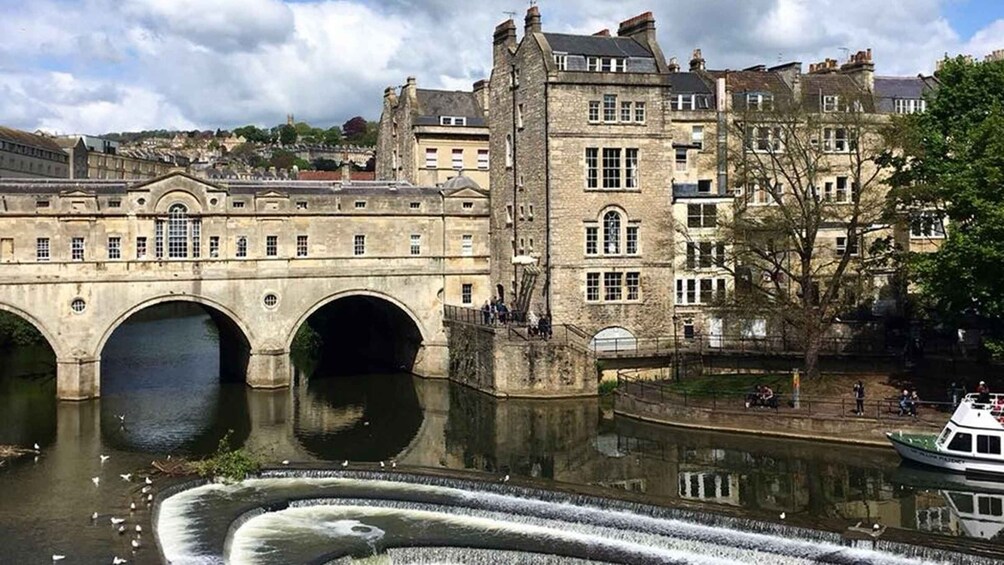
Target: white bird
(876, 527)
(118, 560)
(366, 423)
(117, 521)
(135, 544)
(132, 506)
(345, 463)
(126, 476)
(149, 498)
(145, 490)
(94, 516)
(121, 530)
(285, 461)
(148, 481)
(393, 464)
(58, 557)
(104, 457)
(783, 515)
(505, 479)
(95, 480)
(37, 448)
(121, 417)
(381, 465)
(139, 528)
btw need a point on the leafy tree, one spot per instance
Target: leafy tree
(282, 159)
(301, 164)
(322, 164)
(247, 153)
(254, 134)
(953, 163)
(287, 134)
(354, 128)
(332, 136)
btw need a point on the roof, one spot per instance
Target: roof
(596, 45)
(815, 86)
(460, 182)
(438, 103)
(336, 175)
(689, 82)
(752, 81)
(901, 87)
(29, 139)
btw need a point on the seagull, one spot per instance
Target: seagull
(118, 560)
(393, 464)
(505, 479)
(149, 498)
(95, 480)
(148, 481)
(58, 557)
(104, 457)
(345, 463)
(139, 528)
(94, 516)
(132, 506)
(381, 465)
(135, 544)
(121, 530)
(117, 521)
(285, 461)
(783, 515)
(121, 417)
(876, 527)
(145, 490)
(126, 477)
(37, 448)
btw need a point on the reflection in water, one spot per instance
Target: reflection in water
(162, 374)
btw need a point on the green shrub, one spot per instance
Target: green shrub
(607, 387)
(227, 463)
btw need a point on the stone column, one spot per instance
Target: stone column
(78, 378)
(269, 368)
(433, 361)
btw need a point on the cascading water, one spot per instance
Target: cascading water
(368, 517)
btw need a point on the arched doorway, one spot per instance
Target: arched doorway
(613, 339)
(27, 381)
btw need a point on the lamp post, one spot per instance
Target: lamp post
(676, 350)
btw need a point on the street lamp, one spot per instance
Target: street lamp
(676, 350)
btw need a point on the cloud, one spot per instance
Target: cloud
(105, 65)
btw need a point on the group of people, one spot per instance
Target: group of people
(538, 325)
(761, 395)
(495, 312)
(908, 402)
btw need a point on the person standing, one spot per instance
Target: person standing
(983, 392)
(859, 398)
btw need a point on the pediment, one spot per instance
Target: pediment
(466, 193)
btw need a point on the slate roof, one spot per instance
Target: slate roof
(29, 139)
(689, 83)
(814, 87)
(596, 45)
(753, 81)
(888, 89)
(435, 103)
(233, 186)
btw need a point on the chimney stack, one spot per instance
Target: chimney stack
(697, 61)
(532, 21)
(674, 65)
(346, 171)
(481, 90)
(861, 69)
(505, 34)
(602, 33)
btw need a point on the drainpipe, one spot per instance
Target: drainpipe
(515, 182)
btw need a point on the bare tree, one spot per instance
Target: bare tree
(812, 197)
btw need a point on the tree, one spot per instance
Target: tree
(322, 164)
(354, 128)
(952, 165)
(332, 136)
(254, 134)
(812, 200)
(246, 153)
(287, 135)
(282, 159)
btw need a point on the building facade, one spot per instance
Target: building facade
(430, 136)
(28, 155)
(96, 158)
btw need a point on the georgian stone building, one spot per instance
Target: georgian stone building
(28, 155)
(96, 158)
(430, 136)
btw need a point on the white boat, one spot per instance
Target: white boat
(970, 443)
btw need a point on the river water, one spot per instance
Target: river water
(161, 394)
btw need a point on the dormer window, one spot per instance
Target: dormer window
(452, 121)
(606, 64)
(759, 101)
(561, 61)
(831, 103)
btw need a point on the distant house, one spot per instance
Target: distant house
(29, 155)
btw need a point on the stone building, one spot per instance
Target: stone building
(428, 136)
(96, 158)
(28, 155)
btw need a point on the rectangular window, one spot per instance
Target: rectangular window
(592, 240)
(115, 247)
(301, 205)
(214, 246)
(611, 167)
(196, 238)
(835, 140)
(467, 245)
(359, 244)
(697, 136)
(842, 246)
(77, 249)
(41, 203)
(158, 239)
(519, 116)
(909, 106)
(594, 110)
(415, 205)
(927, 225)
(483, 159)
(759, 101)
(631, 167)
(841, 189)
(707, 289)
(242, 246)
(691, 255)
(706, 259)
(592, 287)
(359, 204)
(764, 139)
(114, 203)
(609, 108)
(632, 240)
(681, 160)
(431, 158)
(632, 282)
(962, 442)
(561, 61)
(415, 247)
(612, 286)
(508, 214)
(238, 204)
(988, 444)
(141, 247)
(831, 103)
(42, 249)
(458, 159)
(682, 102)
(625, 112)
(467, 293)
(301, 246)
(271, 245)
(704, 186)
(592, 167)
(639, 112)
(702, 215)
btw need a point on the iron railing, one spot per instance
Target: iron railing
(730, 343)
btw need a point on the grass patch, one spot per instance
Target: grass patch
(731, 384)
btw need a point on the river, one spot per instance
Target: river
(161, 394)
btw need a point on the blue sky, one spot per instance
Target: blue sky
(93, 66)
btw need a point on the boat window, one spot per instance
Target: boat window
(988, 444)
(961, 442)
(990, 505)
(944, 436)
(963, 502)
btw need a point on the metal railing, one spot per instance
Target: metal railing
(728, 343)
(516, 326)
(881, 409)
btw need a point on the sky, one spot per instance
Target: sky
(97, 66)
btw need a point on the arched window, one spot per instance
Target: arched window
(611, 233)
(177, 232)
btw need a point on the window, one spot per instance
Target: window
(42, 249)
(529, 214)
(704, 186)
(988, 444)
(842, 246)
(609, 108)
(483, 159)
(242, 246)
(431, 158)
(764, 139)
(909, 105)
(466, 293)
(702, 215)
(681, 160)
(301, 246)
(41, 203)
(683, 102)
(301, 205)
(141, 247)
(77, 249)
(452, 121)
(519, 116)
(612, 233)
(759, 101)
(841, 189)
(458, 159)
(612, 286)
(688, 333)
(359, 204)
(606, 64)
(699, 290)
(114, 203)
(631, 240)
(625, 112)
(961, 442)
(508, 214)
(639, 112)
(359, 244)
(237, 204)
(414, 205)
(214, 246)
(177, 232)
(196, 237)
(631, 167)
(592, 167)
(927, 225)
(416, 244)
(467, 245)
(831, 103)
(697, 136)
(271, 245)
(632, 283)
(592, 235)
(114, 247)
(835, 140)
(592, 287)
(594, 110)
(561, 61)
(611, 167)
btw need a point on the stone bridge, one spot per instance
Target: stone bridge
(79, 258)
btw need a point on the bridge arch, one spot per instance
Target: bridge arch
(54, 344)
(348, 294)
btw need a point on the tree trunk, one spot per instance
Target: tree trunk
(813, 343)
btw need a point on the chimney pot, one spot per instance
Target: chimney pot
(602, 33)
(697, 61)
(532, 21)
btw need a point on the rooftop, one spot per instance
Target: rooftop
(29, 139)
(596, 45)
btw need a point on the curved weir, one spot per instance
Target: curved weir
(343, 516)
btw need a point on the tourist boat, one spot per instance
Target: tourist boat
(970, 443)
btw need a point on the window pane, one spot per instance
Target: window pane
(611, 233)
(611, 167)
(177, 232)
